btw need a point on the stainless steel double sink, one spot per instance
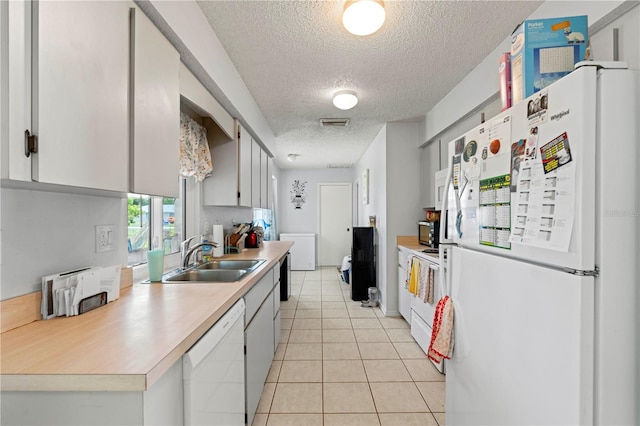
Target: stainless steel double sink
(214, 271)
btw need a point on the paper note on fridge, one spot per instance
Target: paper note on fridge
(545, 190)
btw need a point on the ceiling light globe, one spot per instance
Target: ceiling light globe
(363, 17)
(345, 99)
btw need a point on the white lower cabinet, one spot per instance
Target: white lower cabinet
(259, 348)
(262, 332)
(276, 316)
(162, 404)
(404, 297)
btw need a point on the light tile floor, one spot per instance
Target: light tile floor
(341, 364)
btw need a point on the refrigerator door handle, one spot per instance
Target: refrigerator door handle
(581, 273)
(444, 237)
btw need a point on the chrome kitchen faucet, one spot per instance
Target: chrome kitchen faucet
(190, 251)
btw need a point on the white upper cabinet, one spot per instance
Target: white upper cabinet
(155, 148)
(245, 172)
(221, 187)
(80, 93)
(264, 179)
(269, 182)
(99, 92)
(230, 180)
(256, 152)
(16, 88)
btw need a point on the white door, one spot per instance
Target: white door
(334, 203)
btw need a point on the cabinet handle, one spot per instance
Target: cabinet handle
(30, 143)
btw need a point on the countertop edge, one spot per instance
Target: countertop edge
(73, 382)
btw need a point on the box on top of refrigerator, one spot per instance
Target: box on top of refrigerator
(545, 50)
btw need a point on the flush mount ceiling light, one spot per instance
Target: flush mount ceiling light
(292, 157)
(363, 17)
(345, 99)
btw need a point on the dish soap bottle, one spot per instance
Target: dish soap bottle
(207, 250)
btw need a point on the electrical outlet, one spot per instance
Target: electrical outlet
(104, 237)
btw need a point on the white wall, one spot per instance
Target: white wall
(375, 159)
(393, 161)
(227, 216)
(404, 208)
(304, 220)
(45, 233)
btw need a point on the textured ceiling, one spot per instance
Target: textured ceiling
(293, 55)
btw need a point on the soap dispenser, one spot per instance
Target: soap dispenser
(207, 250)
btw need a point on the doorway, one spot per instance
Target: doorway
(335, 217)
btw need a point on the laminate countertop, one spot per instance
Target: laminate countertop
(128, 344)
(411, 243)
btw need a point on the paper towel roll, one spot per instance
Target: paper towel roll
(218, 237)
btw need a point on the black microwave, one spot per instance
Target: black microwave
(429, 233)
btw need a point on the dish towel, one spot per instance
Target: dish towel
(430, 283)
(407, 277)
(423, 281)
(195, 157)
(442, 336)
(414, 277)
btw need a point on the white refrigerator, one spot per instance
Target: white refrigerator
(542, 249)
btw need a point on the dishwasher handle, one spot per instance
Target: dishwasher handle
(199, 351)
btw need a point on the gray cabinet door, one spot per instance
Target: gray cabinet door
(259, 337)
(155, 148)
(256, 152)
(81, 94)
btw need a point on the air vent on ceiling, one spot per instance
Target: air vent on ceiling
(334, 122)
(339, 165)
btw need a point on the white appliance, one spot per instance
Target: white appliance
(422, 312)
(542, 261)
(404, 297)
(303, 251)
(213, 373)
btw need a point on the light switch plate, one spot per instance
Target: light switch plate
(104, 237)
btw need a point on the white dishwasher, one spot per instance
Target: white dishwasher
(213, 373)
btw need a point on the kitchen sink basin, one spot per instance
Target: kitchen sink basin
(248, 265)
(221, 271)
(207, 275)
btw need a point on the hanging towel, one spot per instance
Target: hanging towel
(415, 273)
(442, 335)
(423, 278)
(195, 157)
(430, 283)
(407, 268)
